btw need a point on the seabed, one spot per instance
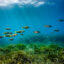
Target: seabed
(32, 53)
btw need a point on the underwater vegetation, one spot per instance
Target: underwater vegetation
(38, 49)
(32, 54)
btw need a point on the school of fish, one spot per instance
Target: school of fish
(21, 32)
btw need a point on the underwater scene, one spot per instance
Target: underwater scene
(31, 31)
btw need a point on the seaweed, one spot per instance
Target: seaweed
(21, 46)
(18, 54)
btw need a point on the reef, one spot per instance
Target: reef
(32, 54)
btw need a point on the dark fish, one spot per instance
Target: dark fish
(36, 32)
(48, 26)
(8, 28)
(11, 39)
(56, 30)
(7, 33)
(21, 34)
(25, 27)
(21, 31)
(1, 36)
(61, 20)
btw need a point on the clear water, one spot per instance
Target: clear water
(34, 17)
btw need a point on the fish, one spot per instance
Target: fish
(7, 33)
(25, 27)
(21, 34)
(61, 20)
(21, 31)
(48, 26)
(8, 28)
(1, 36)
(56, 30)
(11, 39)
(13, 35)
(36, 32)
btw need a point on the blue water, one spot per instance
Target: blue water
(34, 17)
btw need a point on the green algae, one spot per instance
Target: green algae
(34, 54)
